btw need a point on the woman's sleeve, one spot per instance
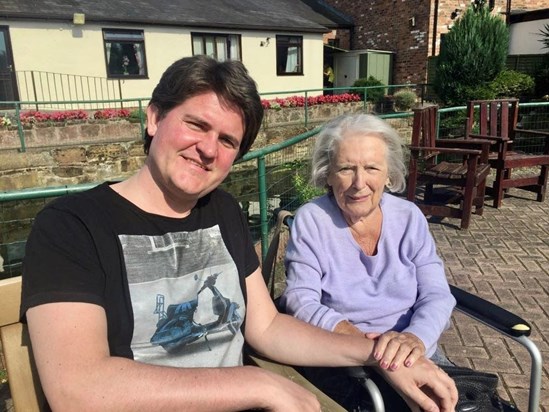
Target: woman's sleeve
(304, 262)
(434, 303)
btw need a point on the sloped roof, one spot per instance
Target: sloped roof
(339, 19)
(281, 15)
(519, 16)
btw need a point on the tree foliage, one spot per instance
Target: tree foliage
(472, 55)
(545, 36)
(372, 95)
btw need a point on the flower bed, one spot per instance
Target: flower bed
(44, 118)
(299, 101)
(32, 117)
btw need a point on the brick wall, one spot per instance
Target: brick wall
(387, 25)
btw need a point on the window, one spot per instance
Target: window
(219, 46)
(333, 43)
(125, 53)
(289, 55)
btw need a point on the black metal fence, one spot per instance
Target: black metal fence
(39, 86)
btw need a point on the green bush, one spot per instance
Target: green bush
(473, 53)
(305, 191)
(372, 95)
(452, 124)
(542, 82)
(136, 115)
(545, 36)
(510, 83)
(405, 99)
(480, 92)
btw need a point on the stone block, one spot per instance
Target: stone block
(69, 155)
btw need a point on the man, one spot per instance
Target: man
(139, 295)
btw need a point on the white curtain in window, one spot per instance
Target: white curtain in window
(235, 47)
(221, 45)
(291, 61)
(108, 46)
(210, 46)
(197, 45)
(138, 51)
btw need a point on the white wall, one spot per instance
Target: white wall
(525, 37)
(64, 48)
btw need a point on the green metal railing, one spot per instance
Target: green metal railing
(138, 103)
(261, 181)
(19, 107)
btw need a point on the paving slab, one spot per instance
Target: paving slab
(503, 257)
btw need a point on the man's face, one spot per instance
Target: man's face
(193, 146)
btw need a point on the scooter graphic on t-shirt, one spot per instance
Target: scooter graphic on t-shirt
(177, 327)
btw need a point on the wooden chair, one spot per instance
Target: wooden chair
(464, 181)
(23, 381)
(497, 121)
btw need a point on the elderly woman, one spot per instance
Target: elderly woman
(361, 260)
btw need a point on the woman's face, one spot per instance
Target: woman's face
(358, 175)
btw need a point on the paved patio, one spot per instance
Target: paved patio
(503, 257)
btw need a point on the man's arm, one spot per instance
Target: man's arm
(289, 340)
(70, 346)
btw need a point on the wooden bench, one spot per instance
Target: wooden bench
(26, 392)
(23, 380)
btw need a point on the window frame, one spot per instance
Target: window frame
(217, 36)
(125, 37)
(283, 43)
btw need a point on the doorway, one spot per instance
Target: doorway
(8, 83)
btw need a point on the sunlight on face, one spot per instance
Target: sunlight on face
(358, 175)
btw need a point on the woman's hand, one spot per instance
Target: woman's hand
(393, 349)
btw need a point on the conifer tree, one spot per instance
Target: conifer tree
(473, 53)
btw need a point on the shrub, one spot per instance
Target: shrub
(545, 36)
(138, 114)
(452, 124)
(542, 82)
(510, 83)
(405, 99)
(5, 121)
(374, 95)
(304, 191)
(473, 53)
(480, 92)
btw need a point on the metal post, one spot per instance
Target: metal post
(264, 221)
(34, 89)
(141, 119)
(306, 105)
(120, 93)
(20, 131)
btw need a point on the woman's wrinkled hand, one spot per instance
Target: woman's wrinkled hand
(393, 349)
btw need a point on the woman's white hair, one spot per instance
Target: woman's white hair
(327, 143)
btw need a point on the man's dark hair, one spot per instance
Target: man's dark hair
(229, 80)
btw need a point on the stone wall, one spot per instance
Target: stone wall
(87, 152)
(93, 151)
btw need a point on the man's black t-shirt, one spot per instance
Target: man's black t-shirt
(173, 289)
